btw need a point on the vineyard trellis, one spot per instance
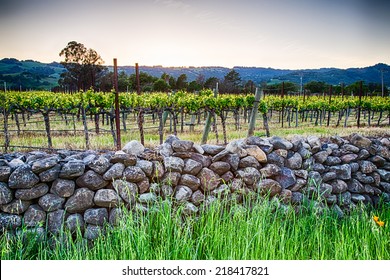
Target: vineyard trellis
(99, 106)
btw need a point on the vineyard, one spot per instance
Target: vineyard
(89, 114)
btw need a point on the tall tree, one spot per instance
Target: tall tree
(181, 83)
(84, 66)
(231, 82)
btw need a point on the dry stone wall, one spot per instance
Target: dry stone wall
(50, 191)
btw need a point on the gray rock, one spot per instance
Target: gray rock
(146, 166)
(197, 198)
(318, 167)
(332, 160)
(33, 193)
(190, 181)
(166, 191)
(329, 176)
(165, 150)
(99, 165)
(236, 185)
(222, 191)
(192, 167)
(44, 164)
(339, 186)
(173, 164)
(183, 193)
(212, 149)
(34, 216)
(363, 154)
(55, 221)
(81, 200)
(15, 163)
(249, 161)
(314, 179)
(171, 178)
(115, 172)
(220, 167)
(385, 174)
(16, 206)
(6, 195)
(5, 172)
(268, 187)
(96, 216)
(286, 178)
(171, 138)
(313, 141)
(270, 170)
(51, 202)
(144, 185)
(354, 167)
(321, 157)
(189, 209)
(378, 160)
(182, 145)
(127, 190)
(299, 184)
(343, 172)
(124, 158)
(10, 221)
(285, 196)
(204, 160)
(360, 141)
(72, 169)
(304, 153)
(274, 158)
(107, 198)
(158, 170)
(348, 148)
(301, 173)
(22, 178)
(367, 166)
(233, 160)
(115, 216)
(331, 199)
(50, 174)
(93, 232)
(209, 180)
(147, 198)
(357, 198)
(198, 148)
(91, 180)
(363, 178)
(220, 155)
(344, 199)
(250, 175)
(133, 148)
(297, 198)
(294, 161)
(235, 147)
(134, 174)
(349, 158)
(281, 152)
(63, 188)
(280, 143)
(385, 187)
(75, 222)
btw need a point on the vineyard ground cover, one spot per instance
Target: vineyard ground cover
(71, 137)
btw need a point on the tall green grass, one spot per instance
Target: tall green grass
(255, 230)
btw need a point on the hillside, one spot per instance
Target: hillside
(29, 74)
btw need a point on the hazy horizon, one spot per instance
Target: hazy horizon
(282, 34)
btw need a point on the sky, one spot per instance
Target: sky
(284, 34)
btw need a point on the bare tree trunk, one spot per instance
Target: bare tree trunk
(47, 127)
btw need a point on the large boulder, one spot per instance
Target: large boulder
(133, 148)
(107, 198)
(91, 180)
(22, 178)
(209, 180)
(81, 200)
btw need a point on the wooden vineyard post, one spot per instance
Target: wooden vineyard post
(5, 113)
(84, 119)
(117, 117)
(330, 100)
(360, 102)
(282, 104)
(209, 117)
(252, 120)
(140, 113)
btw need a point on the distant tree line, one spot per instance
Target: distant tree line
(85, 70)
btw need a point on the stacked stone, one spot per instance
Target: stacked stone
(85, 190)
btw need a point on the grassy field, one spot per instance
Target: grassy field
(63, 135)
(258, 230)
